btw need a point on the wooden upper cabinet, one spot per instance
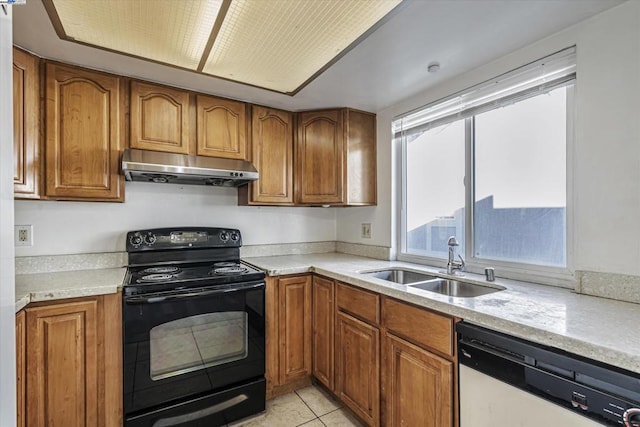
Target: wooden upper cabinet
(272, 155)
(360, 133)
(222, 127)
(320, 157)
(336, 157)
(26, 125)
(83, 134)
(159, 118)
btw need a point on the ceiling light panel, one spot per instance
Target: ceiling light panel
(280, 44)
(169, 31)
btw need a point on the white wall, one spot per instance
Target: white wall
(82, 227)
(7, 298)
(606, 156)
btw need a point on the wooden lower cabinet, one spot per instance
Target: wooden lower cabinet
(391, 363)
(417, 385)
(74, 363)
(358, 367)
(323, 330)
(288, 333)
(21, 368)
(294, 302)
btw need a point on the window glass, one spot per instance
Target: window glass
(435, 192)
(197, 342)
(520, 181)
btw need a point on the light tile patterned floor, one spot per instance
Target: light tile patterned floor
(308, 407)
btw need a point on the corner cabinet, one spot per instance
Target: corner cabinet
(160, 118)
(336, 158)
(26, 126)
(84, 134)
(272, 155)
(73, 363)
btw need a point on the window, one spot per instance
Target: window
(489, 166)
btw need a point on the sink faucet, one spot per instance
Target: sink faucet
(452, 264)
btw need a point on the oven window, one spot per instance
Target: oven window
(198, 342)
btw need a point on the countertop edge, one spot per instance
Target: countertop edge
(39, 287)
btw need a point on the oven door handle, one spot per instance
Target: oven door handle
(189, 295)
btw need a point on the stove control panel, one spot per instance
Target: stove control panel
(183, 238)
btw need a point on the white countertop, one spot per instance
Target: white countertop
(598, 328)
(66, 284)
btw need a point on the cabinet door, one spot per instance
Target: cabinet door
(272, 155)
(83, 135)
(294, 298)
(62, 365)
(222, 127)
(358, 367)
(159, 118)
(26, 126)
(21, 369)
(418, 386)
(320, 158)
(323, 333)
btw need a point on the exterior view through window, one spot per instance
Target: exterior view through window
(491, 170)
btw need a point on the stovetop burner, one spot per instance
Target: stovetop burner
(167, 269)
(155, 277)
(236, 269)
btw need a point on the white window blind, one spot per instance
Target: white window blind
(529, 80)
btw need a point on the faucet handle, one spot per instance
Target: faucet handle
(462, 264)
(452, 241)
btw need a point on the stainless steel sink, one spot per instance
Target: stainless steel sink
(455, 288)
(399, 275)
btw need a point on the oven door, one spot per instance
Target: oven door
(191, 343)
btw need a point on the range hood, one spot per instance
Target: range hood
(154, 166)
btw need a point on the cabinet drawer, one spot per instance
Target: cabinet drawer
(360, 303)
(419, 325)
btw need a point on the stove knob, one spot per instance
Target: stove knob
(224, 236)
(135, 240)
(150, 239)
(235, 236)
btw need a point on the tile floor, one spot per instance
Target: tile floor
(308, 407)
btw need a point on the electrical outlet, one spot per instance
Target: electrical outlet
(366, 230)
(23, 235)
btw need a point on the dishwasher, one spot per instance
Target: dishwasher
(507, 381)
